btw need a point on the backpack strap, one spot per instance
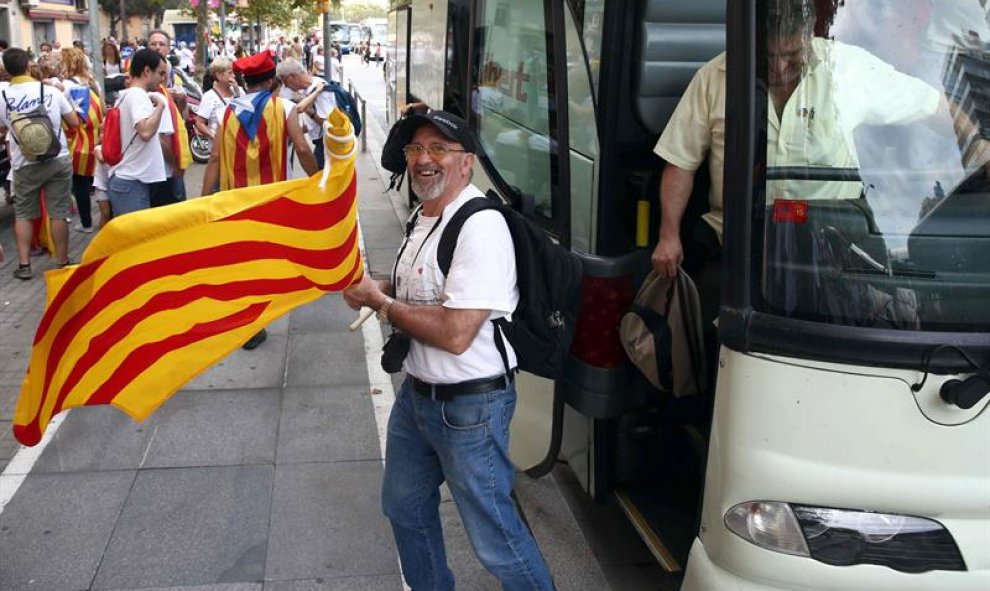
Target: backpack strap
(445, 256)
(6, 103)
(657, 324)
(448, 238)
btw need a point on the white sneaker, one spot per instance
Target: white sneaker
(81, 228)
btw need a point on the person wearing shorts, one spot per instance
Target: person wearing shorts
(34, 174)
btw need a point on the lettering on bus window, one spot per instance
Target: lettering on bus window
(508, 83)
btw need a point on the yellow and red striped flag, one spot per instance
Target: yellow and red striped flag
(162, 294)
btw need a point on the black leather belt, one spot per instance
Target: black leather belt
(447, 392)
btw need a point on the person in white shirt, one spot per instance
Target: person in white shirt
(141, 121)
(336, 71)
(215, 100)
(185, 57)
(294, 78)
(50, 173)
(450, 420)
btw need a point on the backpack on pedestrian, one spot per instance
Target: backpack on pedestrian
(113, 153)
(33, 131)
(549, 280)
(346, 103)
(663, 335)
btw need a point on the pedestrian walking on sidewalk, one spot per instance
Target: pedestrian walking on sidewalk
(450, 421)
(39, 157)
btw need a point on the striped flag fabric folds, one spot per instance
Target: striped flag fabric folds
(162, 294)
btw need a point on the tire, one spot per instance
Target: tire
(200, 146)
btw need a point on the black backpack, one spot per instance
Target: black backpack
(346, 103)
(549, 282)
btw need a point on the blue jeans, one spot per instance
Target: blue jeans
(128, 195)
(466, 443)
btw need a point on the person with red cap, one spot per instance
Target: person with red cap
(251, 145)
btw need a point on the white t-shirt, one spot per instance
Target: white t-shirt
(482, 277)
(324, 105)
(211, 108)
(143, 160)
(24, 97)
(335, 69)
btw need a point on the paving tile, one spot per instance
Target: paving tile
(215, 428)
(326, 359)
(96, 438)
(560, 537)
(68, 516)
(263, 367)
(191, 526)
(327, 522)
(323, 424)
(369, 583)
(327, 314)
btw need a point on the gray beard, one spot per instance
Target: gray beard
(431, 192)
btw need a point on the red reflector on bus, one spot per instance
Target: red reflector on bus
(596, 336)
(790, 211)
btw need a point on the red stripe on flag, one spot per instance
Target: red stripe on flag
(289, 213)
(264, 150)
(79, 275)
(240, 155)
(144, 356)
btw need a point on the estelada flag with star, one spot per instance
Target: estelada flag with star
(162, 294)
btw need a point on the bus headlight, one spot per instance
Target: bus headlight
(901, 542)
(769, 525)
(841, 537)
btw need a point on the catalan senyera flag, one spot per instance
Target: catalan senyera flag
(83, 139)
(180, 137)
(162, 294)
(253, 147)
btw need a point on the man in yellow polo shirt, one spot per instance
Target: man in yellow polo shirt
(819, 92)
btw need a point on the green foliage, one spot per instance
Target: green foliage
(356, 12)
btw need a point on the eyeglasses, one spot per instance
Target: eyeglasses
(437, 151)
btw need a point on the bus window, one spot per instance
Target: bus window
(583, 138)
(860, 230)
(509, 98)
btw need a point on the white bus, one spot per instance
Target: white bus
(844, 439)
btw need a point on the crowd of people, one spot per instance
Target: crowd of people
(146, 80)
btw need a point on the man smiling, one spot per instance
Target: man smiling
(450, 422)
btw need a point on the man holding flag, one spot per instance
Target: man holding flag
(251, 145)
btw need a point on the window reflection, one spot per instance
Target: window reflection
(510, 98)
(877, 190)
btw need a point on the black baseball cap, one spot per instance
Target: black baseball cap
(446, 123)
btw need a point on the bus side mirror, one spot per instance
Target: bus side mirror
(966, 393)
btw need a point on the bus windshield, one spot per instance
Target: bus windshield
(875, 206)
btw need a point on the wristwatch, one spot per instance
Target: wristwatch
(384, 310)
